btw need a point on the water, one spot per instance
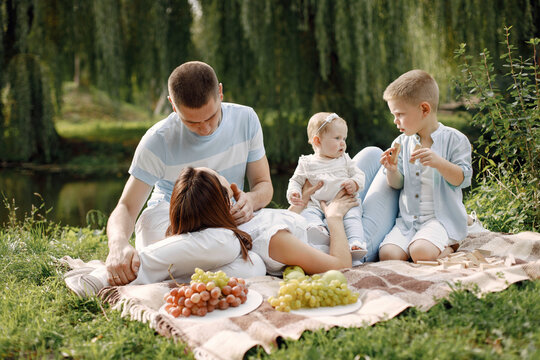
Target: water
(69, 198)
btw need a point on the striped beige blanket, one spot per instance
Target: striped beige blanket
(485, 262)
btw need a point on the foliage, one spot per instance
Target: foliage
(28, 131)
(290, 57)
(119, 45)
(508, 113)
(41, 318)
(307, 56)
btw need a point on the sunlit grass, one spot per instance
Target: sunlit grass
(41, 318)
(105, 131)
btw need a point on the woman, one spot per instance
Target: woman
(202, 233)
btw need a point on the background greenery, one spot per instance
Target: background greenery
(287, 59)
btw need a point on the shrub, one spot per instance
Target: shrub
(506, 109)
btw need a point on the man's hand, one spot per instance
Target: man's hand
(122, 265)
(350, 186)
(242, 211)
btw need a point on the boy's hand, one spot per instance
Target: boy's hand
(296, 199)
(386, 160)
(350, 186)
(427, 157)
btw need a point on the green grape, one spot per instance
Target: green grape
(312, 291)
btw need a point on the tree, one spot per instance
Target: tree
(28, 130)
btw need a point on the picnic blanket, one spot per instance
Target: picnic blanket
(485, 262)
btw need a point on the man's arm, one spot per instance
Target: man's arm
(123, 261)
(260, 191)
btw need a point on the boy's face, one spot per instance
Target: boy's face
(408, 117)
(333, 140)
(202, 121)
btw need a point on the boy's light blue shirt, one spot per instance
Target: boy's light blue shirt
(169, 146)
(453, 146)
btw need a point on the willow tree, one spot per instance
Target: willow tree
(339, 55)
(157, 39)
(2, 141)
(28, 129)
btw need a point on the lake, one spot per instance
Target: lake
(69, 198)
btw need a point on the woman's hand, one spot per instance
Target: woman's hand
(307, 191)
(342, 203)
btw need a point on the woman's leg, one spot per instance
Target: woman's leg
(368, 160)
(379, 200)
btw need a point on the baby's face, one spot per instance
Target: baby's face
(333, 140)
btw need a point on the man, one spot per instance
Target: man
(201, 131)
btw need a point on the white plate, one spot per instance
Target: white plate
(254, 299)
(329, 310)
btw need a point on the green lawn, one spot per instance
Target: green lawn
(41, 318)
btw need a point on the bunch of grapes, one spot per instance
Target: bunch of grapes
(311, 292)
(200, 297)
(219, 277)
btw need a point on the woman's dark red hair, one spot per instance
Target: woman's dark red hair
(199, 201)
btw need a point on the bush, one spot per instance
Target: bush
(507, 152)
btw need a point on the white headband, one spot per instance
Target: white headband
(328, 120)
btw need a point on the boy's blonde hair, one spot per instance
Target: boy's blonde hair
(315, 123)
(414, 86)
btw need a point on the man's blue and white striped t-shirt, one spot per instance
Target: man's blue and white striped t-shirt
(168, 147)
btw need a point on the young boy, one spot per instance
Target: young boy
(430, 163)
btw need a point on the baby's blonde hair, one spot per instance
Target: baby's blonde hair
(414, 86)
(315, 123)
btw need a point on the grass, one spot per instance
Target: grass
(41, 318)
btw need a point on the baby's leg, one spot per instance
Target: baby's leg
(314, 216)
(317, 232)
(355, 234)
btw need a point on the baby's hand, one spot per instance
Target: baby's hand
(387, 159)
(350, 186)
(296, 199)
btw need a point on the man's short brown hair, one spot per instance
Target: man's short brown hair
(414, 86)
(192, 83)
